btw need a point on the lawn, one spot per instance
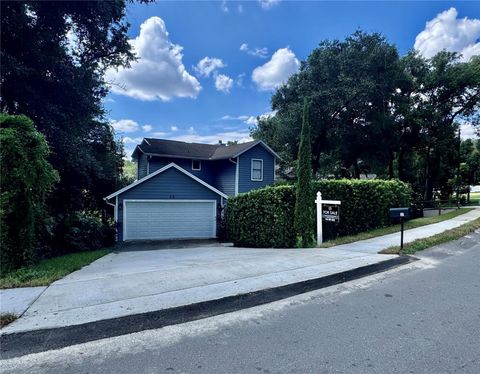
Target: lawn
(446, 236)
(474, 198)
(48, 271)
(414, 223)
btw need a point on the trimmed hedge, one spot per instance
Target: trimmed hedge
(265, 217)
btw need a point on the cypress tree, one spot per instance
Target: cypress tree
(303, 205)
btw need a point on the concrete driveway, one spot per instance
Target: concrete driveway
(132, 282)
(138, 281)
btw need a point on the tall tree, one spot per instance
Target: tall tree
(349, 85)
(445, 91)
(54, 55)
(303, 210)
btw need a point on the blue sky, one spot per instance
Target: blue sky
(207, 69)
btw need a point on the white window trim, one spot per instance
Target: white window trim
(124, 203)
(251, 170)
(199, 163)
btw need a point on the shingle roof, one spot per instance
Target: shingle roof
(173, 148)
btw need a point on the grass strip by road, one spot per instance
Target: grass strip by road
(6, 318)
(412, 224)
(446, 236)
(48, 271)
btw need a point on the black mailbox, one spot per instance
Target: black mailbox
(397, 213)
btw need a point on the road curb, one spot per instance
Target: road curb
(22, 343)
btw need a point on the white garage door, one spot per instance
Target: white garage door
(179, 219)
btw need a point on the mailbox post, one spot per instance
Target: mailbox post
(400, 214)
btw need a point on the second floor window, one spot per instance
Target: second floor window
(257, 170)
(196, 165)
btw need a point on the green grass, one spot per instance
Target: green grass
(474, 198)
(446, 236)
(48, 271)
(412, 224)
(6, 318)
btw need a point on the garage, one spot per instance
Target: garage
(167, 219)
(167, 204)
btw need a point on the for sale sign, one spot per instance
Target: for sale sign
(331, 213)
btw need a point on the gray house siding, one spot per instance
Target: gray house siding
(141, 166)
(224, 176)
(169, 185)
(245, 182)
(205, 173)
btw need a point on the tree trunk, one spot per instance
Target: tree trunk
(356, 170)
(400, 167)
(391, 173)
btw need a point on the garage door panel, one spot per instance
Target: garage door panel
(170, 220)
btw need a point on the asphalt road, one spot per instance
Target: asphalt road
(420, 318)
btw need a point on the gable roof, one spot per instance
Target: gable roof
(173, 148)
(170, 165)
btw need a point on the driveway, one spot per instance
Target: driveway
(132, 282)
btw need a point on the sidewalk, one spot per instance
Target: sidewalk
(131, 283)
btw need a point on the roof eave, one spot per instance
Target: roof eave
(270, 150)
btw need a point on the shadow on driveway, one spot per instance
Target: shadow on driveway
(151, 245)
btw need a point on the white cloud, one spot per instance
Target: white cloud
(129, 140)
(252, 120)
(240, 8)
(147, 128)
(224, 6)
(448, 32)
(249, 120)
(174, 128)
(240, 136)
(468, 131)
(229, 117)
(223, 83)
(159, 134)
(240, 79)
(268, 4)
(257, 52)
(125, 125)
(159, 73)
(207, 66)
(276, 71)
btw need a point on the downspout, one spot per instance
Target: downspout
(108, 202)
(236, 174)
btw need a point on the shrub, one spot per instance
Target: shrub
(82, 232)
(262, 218)
(26, 180)
(265, 217)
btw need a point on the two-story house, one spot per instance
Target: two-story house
(182, 187)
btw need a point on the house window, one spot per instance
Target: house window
(257, 170)
(196, 165)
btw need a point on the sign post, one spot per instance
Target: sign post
(331, 213)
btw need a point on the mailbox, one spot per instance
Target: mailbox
(397, 213)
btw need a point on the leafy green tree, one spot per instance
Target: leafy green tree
(349, 85)
(27, 178)
(54, 55)
(303, 205)
(129, 172)
(445, 91)
(469, 164)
